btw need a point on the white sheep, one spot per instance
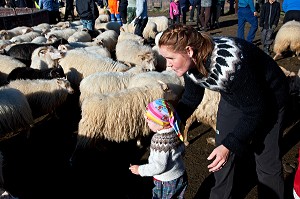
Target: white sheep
(132, 53)
(161, 22)
(39, 40)
(118, 116)
(4, 44)
(150, 31)
(7, 64)
(78, 64)
(100, 50)
(106, 82)
(127, 35)
(161, 61)
(43, 96)
(15, 112)
(112, 25)
(206, 112)
(108, 39)
(28, 37)
(64, 33)
(103, 18)
(287, 37)
(45, 57)
(147, 78)
(80, 36)
(8, 34)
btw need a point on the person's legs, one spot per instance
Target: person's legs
(192, 11)
(130, 14)
(198, 13)
(139, 28)
(84, 23)
(207, 17)
(263, 38)
(268, 159)
(89, 24)
(227, 118)
(123, 14)
(254, 25)
(241, 23)
(201, 16)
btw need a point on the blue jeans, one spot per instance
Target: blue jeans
(89, 24)
(246, 15)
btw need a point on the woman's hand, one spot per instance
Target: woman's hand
(134, 169)
(220, 154)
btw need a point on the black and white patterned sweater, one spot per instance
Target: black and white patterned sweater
(246, 77)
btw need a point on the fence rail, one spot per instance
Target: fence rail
(11, 18)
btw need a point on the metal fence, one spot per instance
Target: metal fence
(11, 18)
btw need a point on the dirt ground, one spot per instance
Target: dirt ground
(43, 165)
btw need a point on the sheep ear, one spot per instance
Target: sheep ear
(163, 85)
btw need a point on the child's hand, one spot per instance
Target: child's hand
(134, 169)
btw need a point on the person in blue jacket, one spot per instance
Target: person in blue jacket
(247, 13)
(53, 9)
(291, 9)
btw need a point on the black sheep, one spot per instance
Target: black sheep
(31, 73)
(23, 51)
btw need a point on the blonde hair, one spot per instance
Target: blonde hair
(177, 37)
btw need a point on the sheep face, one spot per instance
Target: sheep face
(4, 35)
(51, 51)
(149, 61)
(63, 83)
(57, 72)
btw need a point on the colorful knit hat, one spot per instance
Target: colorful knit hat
(162, 112)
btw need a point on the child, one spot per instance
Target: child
(165, 162)
(114, 11)
(269, 17)
(175, 11)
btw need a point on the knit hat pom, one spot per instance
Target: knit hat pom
(162, 112)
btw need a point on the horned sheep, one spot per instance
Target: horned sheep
(45, 57)
(118, 116)
(287, 37)
(15, 112)
(43, 96)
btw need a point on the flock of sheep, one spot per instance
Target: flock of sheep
(114, 72)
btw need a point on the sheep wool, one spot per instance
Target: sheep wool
(205, 113)
(15, 112)
(118, 116)
(287, 37)
(43, 96)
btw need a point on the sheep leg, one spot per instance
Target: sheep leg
(276, 56)
(189, 122)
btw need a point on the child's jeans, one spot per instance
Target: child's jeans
(170, 189)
